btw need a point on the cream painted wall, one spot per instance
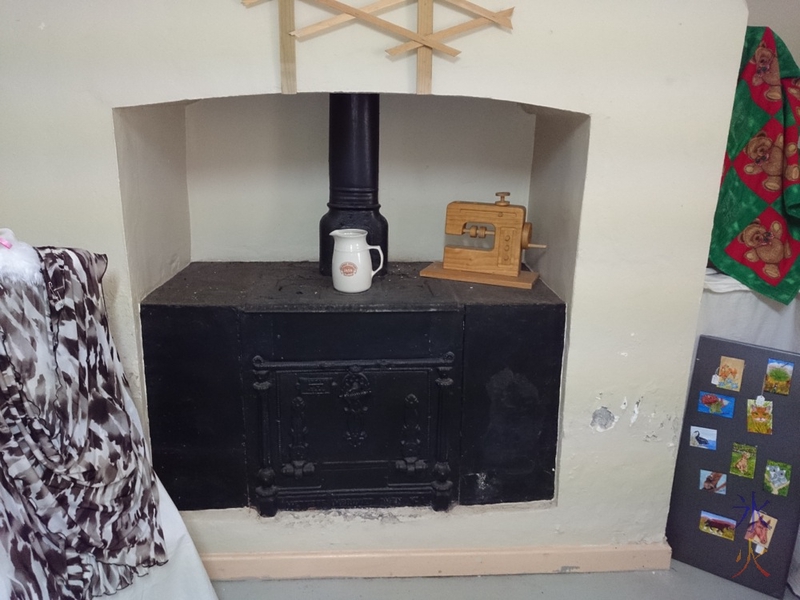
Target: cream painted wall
(659, 119)
(783, 16)
(558, 174)
(151, 150)
(258, 170)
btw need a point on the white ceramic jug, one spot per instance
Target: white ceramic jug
(352, 264)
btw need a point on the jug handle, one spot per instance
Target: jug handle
(380, 266)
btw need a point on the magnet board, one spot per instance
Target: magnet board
(735, 503)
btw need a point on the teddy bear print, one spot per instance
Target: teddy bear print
(767, 71)
(794, 89)
(765, 245)
(769, 157)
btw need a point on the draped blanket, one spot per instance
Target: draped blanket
(78, 498)
(756, 236)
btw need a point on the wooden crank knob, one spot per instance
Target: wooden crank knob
(502, 196)
(526, 238)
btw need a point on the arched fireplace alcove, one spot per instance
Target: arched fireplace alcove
(251, 182)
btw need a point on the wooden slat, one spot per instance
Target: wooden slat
(524, 280)
(391, 27)
(424, 54)
(448, 33)
(373, 8)
(480, 11)
(318, 561)
(251, 3)
(287, 47)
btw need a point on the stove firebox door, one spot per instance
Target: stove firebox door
(366, 431)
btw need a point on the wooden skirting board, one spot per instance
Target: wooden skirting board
(438, 563)
(523, 281)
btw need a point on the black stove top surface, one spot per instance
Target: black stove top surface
(290, 286)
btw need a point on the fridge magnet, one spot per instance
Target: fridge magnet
(759, 416)
(743, 460)
(779, 377)
(716, 404)
(760, 531)
(712, 481)
(758, 528)
(729, 374)
(717, 525)
(702, 437)
(777, 477)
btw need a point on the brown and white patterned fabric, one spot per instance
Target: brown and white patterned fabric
(78, 496)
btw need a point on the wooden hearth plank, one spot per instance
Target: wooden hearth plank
(390, 27)
(373, 8)
(424, 54)
(444, 562)
(448, 33)
(495, 17)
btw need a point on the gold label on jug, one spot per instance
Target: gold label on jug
(348, 269)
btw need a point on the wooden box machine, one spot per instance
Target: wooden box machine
(500, 264)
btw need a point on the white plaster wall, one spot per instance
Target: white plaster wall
(151, 148)
(258, 170)
(655, 78)
(558, 175)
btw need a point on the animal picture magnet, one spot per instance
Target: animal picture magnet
(759, 416)
(729, 374)
(778, 379)
(713, 482)
(716, 404)
(760, 531)
(777, 477)
(743, 460)
(702, 437)
(717, 525)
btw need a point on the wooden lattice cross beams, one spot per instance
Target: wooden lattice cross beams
(424, 40)
(287, 43)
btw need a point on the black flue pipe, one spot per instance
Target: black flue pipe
(354, 123)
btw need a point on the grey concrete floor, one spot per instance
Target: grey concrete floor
(680, 582)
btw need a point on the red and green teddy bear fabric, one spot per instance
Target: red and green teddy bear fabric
(756, 235)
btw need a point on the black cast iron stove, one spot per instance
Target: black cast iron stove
(353, 148)
(268, 388)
